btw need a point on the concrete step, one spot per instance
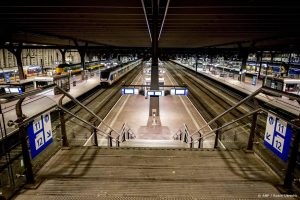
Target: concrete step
(118, 189)
(152, 173)
(154, 143)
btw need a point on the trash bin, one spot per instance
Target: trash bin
(74, 80)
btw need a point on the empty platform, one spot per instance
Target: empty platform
(175, 111)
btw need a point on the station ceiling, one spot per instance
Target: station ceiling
(127, 23)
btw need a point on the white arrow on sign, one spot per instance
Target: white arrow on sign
(269, 134)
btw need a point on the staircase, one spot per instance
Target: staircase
(152, 173)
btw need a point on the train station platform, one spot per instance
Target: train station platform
(34, 104)
(247, 88)
(153, 166)
(175, 111)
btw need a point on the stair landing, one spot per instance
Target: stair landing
(145, 173)
(154, 143)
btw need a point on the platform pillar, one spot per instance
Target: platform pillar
(252, 132)
(244, 55)
(23, 138)
(259, 59)
(82, 51)
(17, 51)
(217, 138)
(154, 85)
(63, 55)
(64, 137)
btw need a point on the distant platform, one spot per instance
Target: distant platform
(34, 104)
(247, 88)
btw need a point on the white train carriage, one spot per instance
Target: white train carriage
(284, 84)
(111, 75)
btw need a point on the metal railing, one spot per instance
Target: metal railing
(294, 124)
(126, 134)
(22, 121)
(183, 134)
(111, 134)
(200, 133)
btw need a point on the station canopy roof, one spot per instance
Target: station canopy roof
(127, 23)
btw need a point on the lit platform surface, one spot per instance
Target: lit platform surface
(175, 111)
(247, 88)
(128, 173)
(37, 103)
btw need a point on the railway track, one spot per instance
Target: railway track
(99, 100)
(100, 103)
(277, 165)
(211, 100)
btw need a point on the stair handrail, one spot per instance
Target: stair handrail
(184, 135)
(212, 132)
(130, 131)
(126, 132)
(83, 106)
(228, 110)
(88, 123)
(175, 135)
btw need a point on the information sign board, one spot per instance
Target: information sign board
(179, 91)
(130, 91)
(278, 136)
(40, 134)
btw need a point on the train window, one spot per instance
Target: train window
(291, 87)
(279, 86)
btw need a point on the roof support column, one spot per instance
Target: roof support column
(154, 101)
(63, 55)
(259, 60)
(82, 51)
(17, 51)
(244, 56)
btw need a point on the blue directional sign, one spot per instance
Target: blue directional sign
(278, 136)
(130, 91)
(40, 134)
(179, 91)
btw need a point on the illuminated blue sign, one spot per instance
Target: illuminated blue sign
(278, 136)
(155, 93)
(40, 134)
(130, 91)
(179, 91)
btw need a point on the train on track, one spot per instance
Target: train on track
(288, 85)
(76, 68)
(111, 75)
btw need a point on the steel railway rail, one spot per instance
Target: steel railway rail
(211, 101)
(101, 103)
(12, 144)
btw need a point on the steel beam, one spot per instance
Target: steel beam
(154, 101)
(17, 51)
